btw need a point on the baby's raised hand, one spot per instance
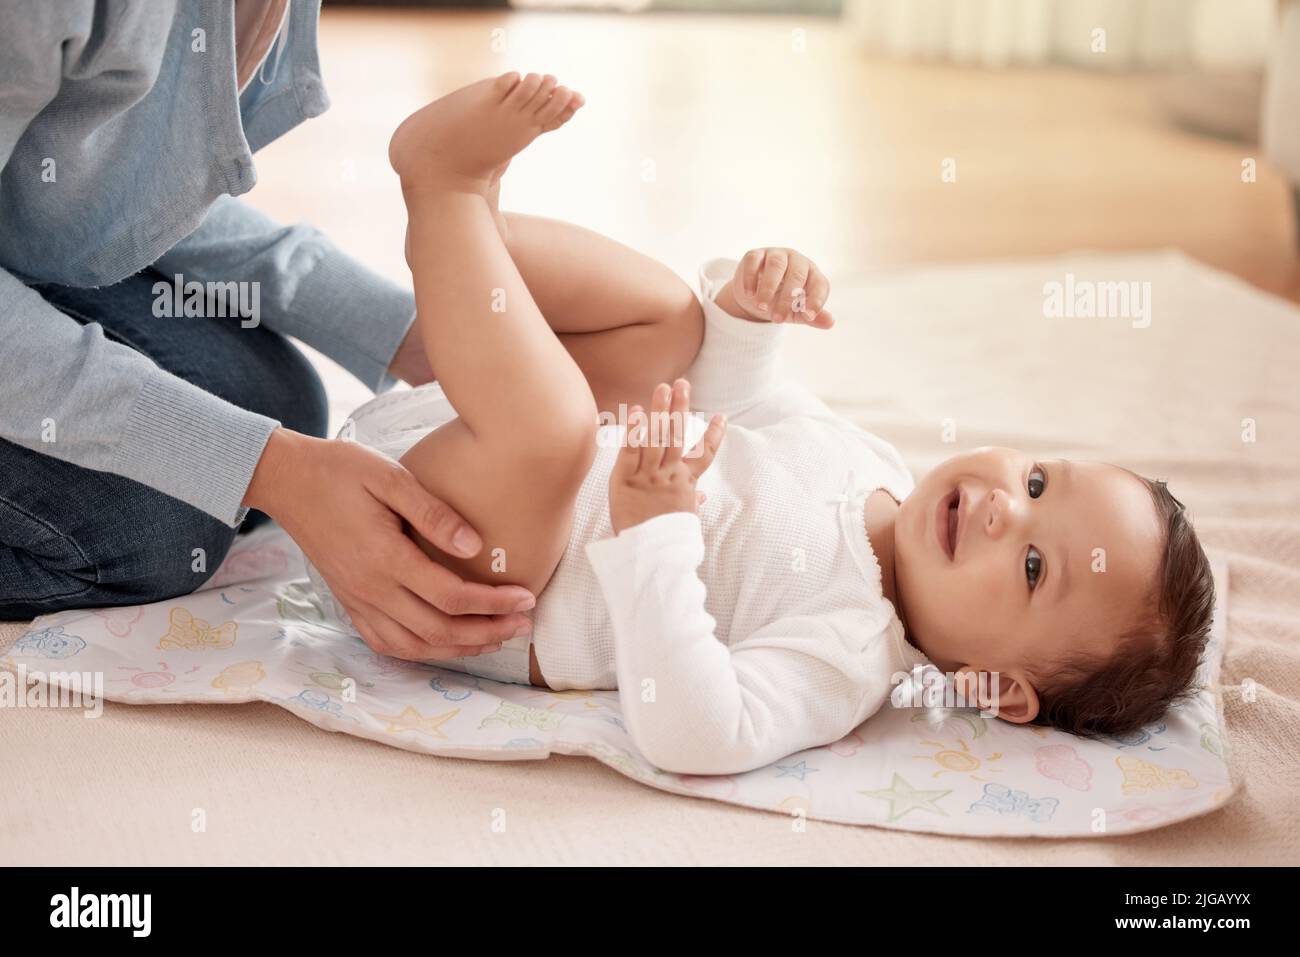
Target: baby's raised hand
(779, 285)
(653, 474)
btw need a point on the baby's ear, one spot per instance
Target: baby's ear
(1006, 695)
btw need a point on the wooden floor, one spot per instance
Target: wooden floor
(705, 135)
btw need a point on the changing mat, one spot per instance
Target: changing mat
(256, 633)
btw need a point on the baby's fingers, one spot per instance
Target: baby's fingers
(818, 290)
(678, 412)
(629, 456)
(747, 273)
(769, 279)
(793, 292)
(701, 456)
(659, 433)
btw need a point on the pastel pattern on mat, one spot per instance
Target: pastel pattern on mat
(259, 637)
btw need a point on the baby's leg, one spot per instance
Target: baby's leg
(627, 320)
(515, 459)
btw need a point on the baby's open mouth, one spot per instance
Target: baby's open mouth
(948, 521)
(953, 515)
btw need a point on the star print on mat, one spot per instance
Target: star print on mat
(902, 797)
(412, 720)
(800, 770)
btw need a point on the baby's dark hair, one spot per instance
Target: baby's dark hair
(1156, 661)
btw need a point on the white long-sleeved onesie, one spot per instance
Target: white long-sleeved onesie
(757, 628)
(744, 634)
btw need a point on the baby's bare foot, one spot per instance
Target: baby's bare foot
(461, 140)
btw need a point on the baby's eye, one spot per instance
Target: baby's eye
(1037, 482)
(1033, 567)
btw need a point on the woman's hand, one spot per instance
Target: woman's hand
(652, 476)
(777, 285)
(344, 504)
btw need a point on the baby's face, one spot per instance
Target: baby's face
(1008, 563)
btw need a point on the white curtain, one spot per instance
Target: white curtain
(1138, 34)
(1281, 132)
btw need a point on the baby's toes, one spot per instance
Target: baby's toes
(524, 91)
(557, 104)
(562, 112)
(504, 84)
(543, 95)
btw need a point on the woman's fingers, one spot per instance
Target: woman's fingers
(704, 452)
(443, 589)
(347, 512)
(387, 636)
(433, 518)
(438, 630)
(367, 632)
(443, 593)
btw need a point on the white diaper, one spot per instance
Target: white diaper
(391, 424)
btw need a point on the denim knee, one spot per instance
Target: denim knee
(183, 552)
(152, 549)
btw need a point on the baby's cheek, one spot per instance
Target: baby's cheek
(985, 593)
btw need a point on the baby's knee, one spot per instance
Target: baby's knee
(563, 447)
(686, 327)
(668, 346)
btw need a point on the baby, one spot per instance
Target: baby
(755, 586)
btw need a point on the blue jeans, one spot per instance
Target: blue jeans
(71, 537)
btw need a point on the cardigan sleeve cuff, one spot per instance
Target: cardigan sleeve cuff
(193, 446)
(355, 316)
